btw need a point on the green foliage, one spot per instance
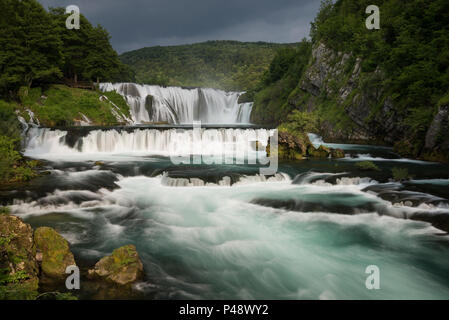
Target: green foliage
(4, 210)
(31, 51)
(56, 296)
(444, 101)
(300, 122)
(9, 125)
(367, 166)
(118, 100)
(7, 278)
(10, 157)
(12, 167)
(406, 61)
(411, 46)
(278, 84)
(38, 49)
(400, 174)
(227, 65)
(18, 291)
(63, 105)
(16, 286)
(87, 51)
(419, 120)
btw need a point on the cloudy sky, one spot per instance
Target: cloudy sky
(134, 24)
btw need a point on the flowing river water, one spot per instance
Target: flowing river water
(222, 230)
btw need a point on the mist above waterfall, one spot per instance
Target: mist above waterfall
(175, 105)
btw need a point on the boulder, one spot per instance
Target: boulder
(18, 266)
(337, 153)
(54, 251)
(290, 146)
(321, 153)
(122, 267)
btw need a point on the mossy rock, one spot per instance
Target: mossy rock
(122, 267)
(290, 146)
(18, 266)
(56, 254)
(321, 153)
(337, 153)
(289, 154)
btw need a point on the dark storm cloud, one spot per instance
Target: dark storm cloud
(135, 24)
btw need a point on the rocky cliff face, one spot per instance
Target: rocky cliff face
(337, 77)
(354, 106)
(437, 137)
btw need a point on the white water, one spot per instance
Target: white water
(369, 157)
(47, 143)
(219, 240)
(212, 242)
(225, 182)
(85, 120)
(439, 182)
(181, 106)
(316, 140)
(116, 112)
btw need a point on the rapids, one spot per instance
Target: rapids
(223, 231)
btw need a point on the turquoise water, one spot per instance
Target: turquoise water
(308, 233)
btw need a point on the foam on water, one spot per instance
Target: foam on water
(368, 157)
(213, 242)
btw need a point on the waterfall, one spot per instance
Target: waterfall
(43, 141)
(174, 105)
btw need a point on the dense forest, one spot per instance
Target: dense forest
(37, 48)
(227, 65)
(37, 51)
(385, 86)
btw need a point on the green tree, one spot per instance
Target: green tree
(31, 51)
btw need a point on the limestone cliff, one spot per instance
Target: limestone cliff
(355, 106)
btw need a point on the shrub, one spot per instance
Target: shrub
(9, 158)
(4, 210)
(400, 174)
(300, 122)
(367, 166)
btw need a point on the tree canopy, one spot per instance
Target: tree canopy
(37, 48)
(227, 65)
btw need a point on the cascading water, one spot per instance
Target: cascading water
(224, 231)
(174, 105)
(47, 142)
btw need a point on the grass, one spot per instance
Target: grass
(60, 105)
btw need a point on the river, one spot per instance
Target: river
(223, 231)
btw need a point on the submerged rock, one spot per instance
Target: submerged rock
(122, 267)
(18, 266)
(54, 251)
